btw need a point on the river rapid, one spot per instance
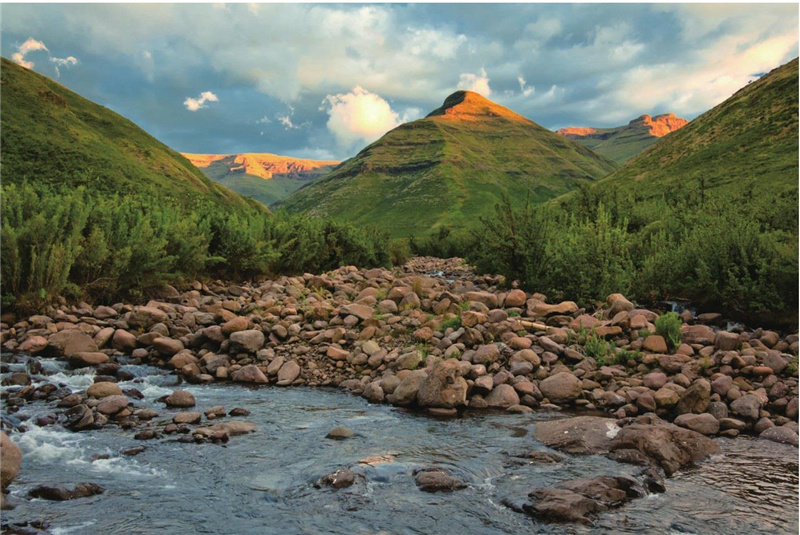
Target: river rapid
(264, 482)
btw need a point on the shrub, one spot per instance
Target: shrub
(452, 323)
(601, 351)
(669, 326)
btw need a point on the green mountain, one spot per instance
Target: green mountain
(450, 168)
(53, 136)
(622, 143)
(267, 178)
(751, 136)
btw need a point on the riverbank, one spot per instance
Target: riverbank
(431, 337)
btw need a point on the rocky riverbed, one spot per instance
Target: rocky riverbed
(432, 337)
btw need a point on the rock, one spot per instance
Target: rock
(699, 334)
(288, 373)
(340, 433)
(239, 323)
(654, 380)
(774, 360)
(250, 374)
(704, 424)
(187, 418)
(124, 341)
(362, 312)
(562, 387)
(112, 404)
(726, 341)
(721, 385)
(339, 479)
(782, 434)
(437, 480)
(180, 399)
(232, 429)
(103, 389)
(93, 358)
(502, 396)
(576, 499)
(747, 406)
(167, 346)
(406, 392)
(618, 303)
(695, 399)
(579, 435)
(70, 342)
(654, 344)
(515, 299)
(564, 308)
(443, 387)
(487, 354)
(81, 490)
(145, 317)
(11, 456)
(250, 340)
(409, 361)
(33, 345)
(670, 446)
(666, 397)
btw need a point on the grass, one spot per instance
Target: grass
(437, 172)
(669, 326)
(452, 323)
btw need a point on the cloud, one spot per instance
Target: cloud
(67, 62)
(30, 45)
(194, 104)
(361, 117)
(524, 88)
(475, 82)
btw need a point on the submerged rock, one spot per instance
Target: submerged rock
(60, 494)
(437, 480)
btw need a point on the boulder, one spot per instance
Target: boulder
(33, 345)
(88, 358)
(11, 456)
(747, 406)
(694, 399)
(704, 424)
(577, 499)
(124, 341)
(579, 435)
(562, 387)
(187, 418)
(249, 340)
(167, 346)
(515, 299)
(443, 387)
(338, 480)
(249, 374)
(565, 308)
(726, 341)
(437, 480)
(288, 373)
(406, 392)
(362, 312)
(69, 342)
(783, 434)
(103, 390)
(502, 397)
(60, 494)
(340, 433)
(180, 399)
(112, 404)
(699, 334)
(654, 344)
(145, 317)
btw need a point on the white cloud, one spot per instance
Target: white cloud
(30, 45)
(361, 117)
(67, 62)
(475, 82)
(194, 104)
(525, 89)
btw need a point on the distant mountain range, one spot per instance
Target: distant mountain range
(268, 178)
(624, 142)
(449, 169)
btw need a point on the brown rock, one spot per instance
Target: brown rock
(11, 457)
(562, 387)
(249, 374)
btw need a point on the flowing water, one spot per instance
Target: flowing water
(263, 482)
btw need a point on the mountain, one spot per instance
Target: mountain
(51, 135)
(265, 177)
(450, 168)
(753, 135)
(623, 142)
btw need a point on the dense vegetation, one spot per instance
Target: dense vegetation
(449, 168)
(58, 241)
(92, 206)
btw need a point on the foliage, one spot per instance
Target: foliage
(601, 351)
(452, 323)
(668, 325)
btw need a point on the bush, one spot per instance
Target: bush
(669, 326)
(602, 352)
(399, 252)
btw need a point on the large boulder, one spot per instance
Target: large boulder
(704, 424)
(669, 446)
(68, 342)
(249, 341)
(103, 390)
(406, 392)
(145, 317)
(249, 374)
(747, 407)
(695, 399)
(544, 310)
(783, 434)
(562, 387)
(167, 346)
(502, 397)
(180, 399)
(11, 457)
(515, 299)
(577, 499)
(443, 387)
(288, 373)
(579, 435)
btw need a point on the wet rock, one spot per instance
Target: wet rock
(60, 494)
(145, 434)
(577, 499)
(695, 399)
(250, 374)
(239, 411)
(103, 389)
(782, 434)
(406, 392)
(132, 452)
(502, 397)
(670, 446)
(443, 387)
(112, 404)
(704, 424)
(187, 418)
(437, 480)
(340, 433)
(11, 456)
(88, 358)
(180, 399)
(580, 435)
(562, 387)
(340, 479)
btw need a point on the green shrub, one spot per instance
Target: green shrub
(452, 323)
(669, 326)
(601, 351)
(399, 252)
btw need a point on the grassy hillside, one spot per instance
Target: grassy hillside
(53, 136)
(267, 178)
(449, 168)
(622, 143)
(750, 136)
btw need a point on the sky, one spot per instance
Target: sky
(324, 80)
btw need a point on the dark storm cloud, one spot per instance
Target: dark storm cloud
(323, 80)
